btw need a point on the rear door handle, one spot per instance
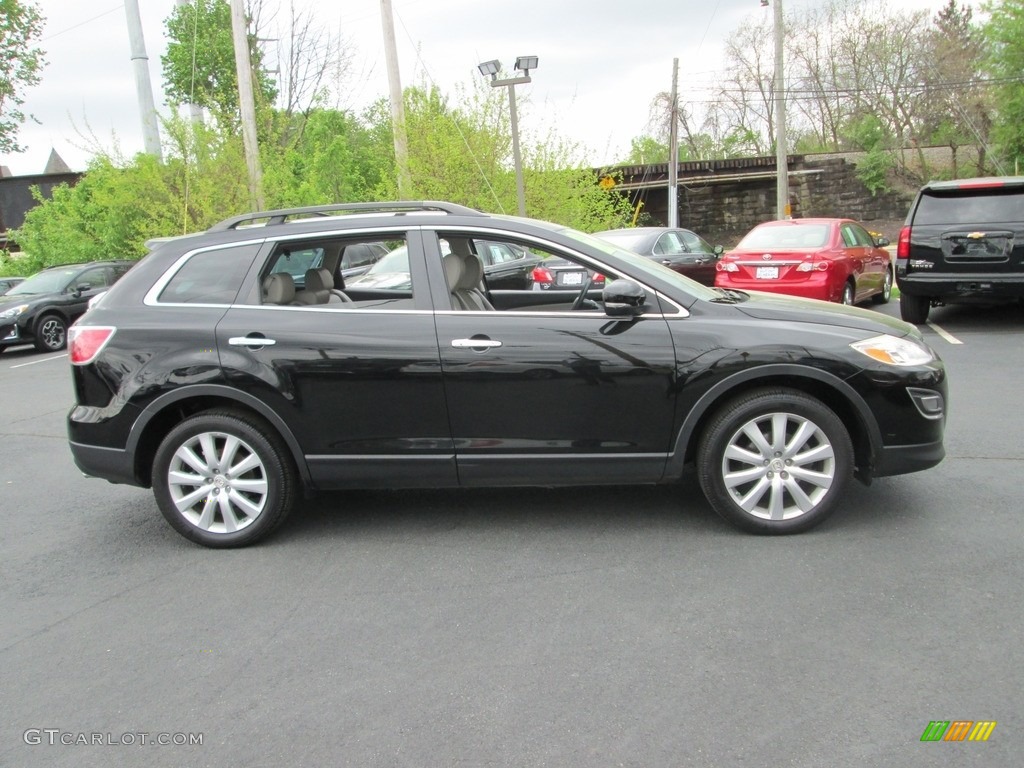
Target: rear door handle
(251, 341)
(475, 343)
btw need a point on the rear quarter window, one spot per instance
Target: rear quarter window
(209, 277)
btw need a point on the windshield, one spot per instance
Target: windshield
(396, 261)
(53, 281)
(645, 265)
(785, 236)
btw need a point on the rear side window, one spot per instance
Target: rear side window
(210, 277)
(971, 207)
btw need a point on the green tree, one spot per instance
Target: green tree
(21, 61)
(199, 66)
(1004, 33)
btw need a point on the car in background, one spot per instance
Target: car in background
(963, 243)
(680, 250)
(827, 259)
(6, 283)
(561, 274)
(39, 310)
(506, 267)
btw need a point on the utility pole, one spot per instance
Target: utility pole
(781, 150)
(195, 111)
(673, 150)
(246, 103)
(143, 86)
(397, 102)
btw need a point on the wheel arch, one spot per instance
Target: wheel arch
(160, 416)
(835, 393)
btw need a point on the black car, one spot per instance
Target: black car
(40, 309)
(204, 375)
(680, 250)
(963, 243)
(6, 283)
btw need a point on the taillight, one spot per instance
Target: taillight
(598, 278)
(903, 244)
(542, 275)
(726, 266)
(87, 341)
(810, 266)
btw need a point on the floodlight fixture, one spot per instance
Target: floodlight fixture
(490, 68)
(526, 63)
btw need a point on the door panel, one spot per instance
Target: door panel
(557, 398)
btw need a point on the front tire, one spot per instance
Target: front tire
(224, 479)
(914, 309)
(775, 461)
(51, 334)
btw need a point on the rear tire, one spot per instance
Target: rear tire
(914, 309)
(224, 479)
(775, 461)
(849, 296)
(886, 294)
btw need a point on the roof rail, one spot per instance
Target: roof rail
(282, 215)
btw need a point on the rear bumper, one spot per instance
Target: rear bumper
(968, 286)
(112, 464)
(814, 286)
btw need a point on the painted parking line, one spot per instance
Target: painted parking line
(36, 362)
(945, 334)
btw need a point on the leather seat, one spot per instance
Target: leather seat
(279, 288)
(320, 289)
(465, 275)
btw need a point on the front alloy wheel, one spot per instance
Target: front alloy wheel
(223, 479)
(775, 461)
(51, 334)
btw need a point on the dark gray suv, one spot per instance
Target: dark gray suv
(963, 242)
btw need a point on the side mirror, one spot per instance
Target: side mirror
(881, 242)
(719, 250)
(624, 298)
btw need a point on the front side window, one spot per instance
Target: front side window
(98, 277)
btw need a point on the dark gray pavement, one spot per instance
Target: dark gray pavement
(584, 627)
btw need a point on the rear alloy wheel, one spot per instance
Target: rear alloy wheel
(775, 461)
(849, 294)
(51, 334)
(886, 294)
(223, 479)
(914, 309)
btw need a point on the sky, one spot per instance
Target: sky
(601, 63)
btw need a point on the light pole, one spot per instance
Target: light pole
(490, 69)
(781, 150)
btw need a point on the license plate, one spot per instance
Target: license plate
(767, 273)
(572, 278)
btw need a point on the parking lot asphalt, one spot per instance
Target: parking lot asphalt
(571, 627)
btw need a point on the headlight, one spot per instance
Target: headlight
(13, 312)
(893, 351)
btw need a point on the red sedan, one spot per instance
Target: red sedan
(827, 259)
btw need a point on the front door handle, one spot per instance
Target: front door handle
(475, 343)
(251, 341)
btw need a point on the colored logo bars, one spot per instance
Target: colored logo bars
(958, 730)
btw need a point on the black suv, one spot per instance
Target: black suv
(40, 309)
(205, 374)
(963, 243)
